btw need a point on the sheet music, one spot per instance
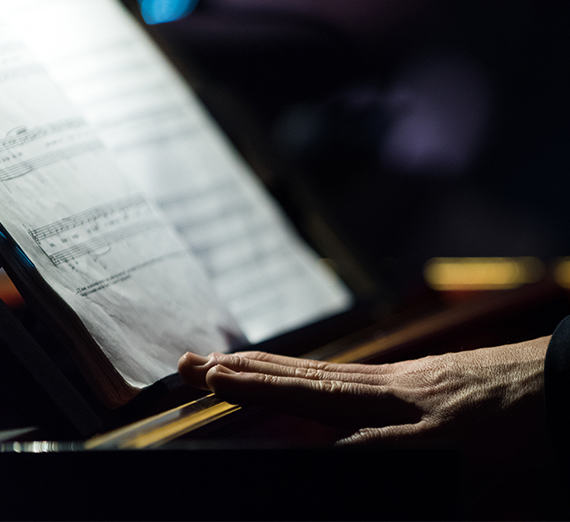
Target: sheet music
(166, 143)
(93, 230)
(43, 145)
(92, 235)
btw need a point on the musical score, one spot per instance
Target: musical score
(94, 230)
(166, 145)
(23, 150)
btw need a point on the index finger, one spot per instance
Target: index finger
(297, 362)
(194, 368)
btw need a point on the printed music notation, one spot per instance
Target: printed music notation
(25, 150)
(95, 229)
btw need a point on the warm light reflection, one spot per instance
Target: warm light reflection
(8, 292)
(482, 273)
(562, 272)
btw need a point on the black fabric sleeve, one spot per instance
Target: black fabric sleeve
(557, 386)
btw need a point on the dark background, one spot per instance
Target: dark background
(315, 93)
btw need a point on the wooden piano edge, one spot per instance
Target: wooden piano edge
(166, 426)
(210, 410)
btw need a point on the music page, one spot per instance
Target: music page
(167, 144)
(92, 235)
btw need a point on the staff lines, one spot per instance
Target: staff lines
(27, 136)
(49, 144)
(43, 160)
(94, 229)
(98, 243)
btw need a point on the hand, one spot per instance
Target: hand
(453, 396)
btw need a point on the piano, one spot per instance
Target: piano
(180, 453)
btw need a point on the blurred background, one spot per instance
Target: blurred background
(424, 128)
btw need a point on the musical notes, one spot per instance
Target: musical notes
(92, 238)
(167, 145)
(23, 150)
(94, 230)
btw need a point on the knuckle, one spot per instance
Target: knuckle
(232, 361)
(256, 356)
(216, 357)
(308, 373)
(251, 355)
(301, 373)
(265, 378)
(331, 386)
(325, 367)
(240, 362)
(223, 358)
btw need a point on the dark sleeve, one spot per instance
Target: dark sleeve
(557, 385)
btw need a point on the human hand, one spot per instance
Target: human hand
(452, 396)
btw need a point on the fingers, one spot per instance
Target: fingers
(334, 402)
(341, 395)
(191, 368)
(309, 363)
(194, 368)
